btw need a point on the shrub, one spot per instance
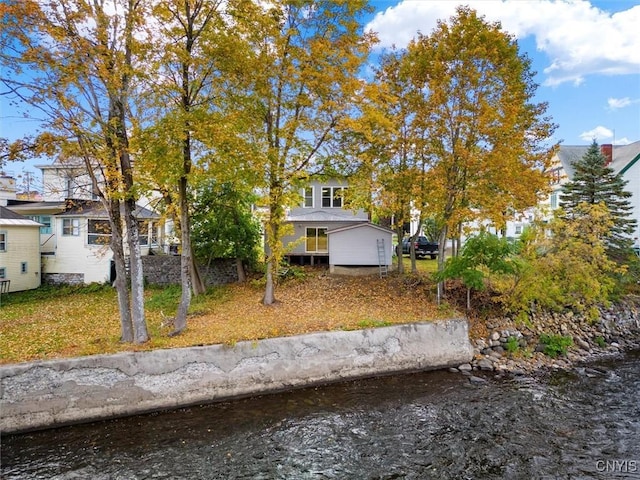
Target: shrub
(555, 345)
(512, 345)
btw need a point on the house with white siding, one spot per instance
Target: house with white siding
(19, 252)
(74, 228)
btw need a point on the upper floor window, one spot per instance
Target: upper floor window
(553, 200)
(555, 175)
(333, 197)
(23, 267)
(98, 232)
(71, 227)
(307, 193)
(3, 241)
(45, 220)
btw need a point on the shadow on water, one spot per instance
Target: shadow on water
(564, 425)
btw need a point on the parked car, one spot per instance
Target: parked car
(423, 247)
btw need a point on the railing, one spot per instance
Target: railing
(4, 288)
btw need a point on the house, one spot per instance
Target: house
(74, 227)
(19, 252)
(325, 231)
(623, 159)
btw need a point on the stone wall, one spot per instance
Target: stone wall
(63, 278)
(165, 270)
(51, 393)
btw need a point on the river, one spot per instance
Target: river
(580, 424)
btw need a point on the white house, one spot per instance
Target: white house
(623, 159)
(19, 252)
(74, 227)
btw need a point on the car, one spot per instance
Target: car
(423, 247)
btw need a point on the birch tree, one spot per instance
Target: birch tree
(70, 63)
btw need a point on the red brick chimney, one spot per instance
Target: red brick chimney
(607, 152)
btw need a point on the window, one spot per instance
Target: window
(147, 233)
(71, 227)
(307, 193)
(98, 232)
(518, 229)
(3, 241)
(332, 197)
(553, 200)
(23, 267)
(555, 175)
(3, 273)
(45, 220)
(317, 240)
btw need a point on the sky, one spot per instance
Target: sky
(586, 54)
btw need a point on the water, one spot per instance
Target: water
(582, 424)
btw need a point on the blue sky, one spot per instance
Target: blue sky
(586, 53)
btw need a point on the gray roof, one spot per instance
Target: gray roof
(324, 216)
(361, 225)
(623, 155)
(7, 217)
(78, 208)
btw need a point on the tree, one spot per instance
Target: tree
(73, 62)
(303, 79)
(595, 182)
(484, 133)
(190, 50)
(382, 142)
(223, 224)
(482, 255)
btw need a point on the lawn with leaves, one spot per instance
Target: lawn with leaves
(66, 322)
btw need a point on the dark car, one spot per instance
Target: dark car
(423, 247)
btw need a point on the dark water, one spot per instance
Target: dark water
(579, 425)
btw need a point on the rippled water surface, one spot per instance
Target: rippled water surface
(579, 425)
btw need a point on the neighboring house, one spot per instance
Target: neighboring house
(623, 159)
(19, 251)
(325, 231)
(75, 230)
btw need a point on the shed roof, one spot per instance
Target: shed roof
(361, 225)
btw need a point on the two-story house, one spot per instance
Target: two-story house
(74, 227)
(325, 231)
(19, 252)
(623, 159)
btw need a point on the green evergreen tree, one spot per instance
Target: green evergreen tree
(594, 182)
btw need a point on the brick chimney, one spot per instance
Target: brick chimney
(607, 152)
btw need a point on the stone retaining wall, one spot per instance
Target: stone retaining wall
(165, 270)
(45, 394)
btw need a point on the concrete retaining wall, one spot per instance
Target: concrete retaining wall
(51, 393)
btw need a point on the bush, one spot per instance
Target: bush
(555, 345)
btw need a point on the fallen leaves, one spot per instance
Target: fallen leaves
(88, 323)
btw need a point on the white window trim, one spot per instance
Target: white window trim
(332, 192)
(3, 273)
(75, 228)
(304, 197)
(24, 268)
(98, 234)
(5, 242)
(306, 237)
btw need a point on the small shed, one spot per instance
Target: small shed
(361, 245)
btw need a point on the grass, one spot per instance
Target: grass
(66, 322)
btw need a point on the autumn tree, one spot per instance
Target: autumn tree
(188, 72)
(483, 131)
(71, 65)
(595, 182)
(385, 164)
(303, 79)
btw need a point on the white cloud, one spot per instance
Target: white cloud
(578, 38)
(616, 103)
(598, 134)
